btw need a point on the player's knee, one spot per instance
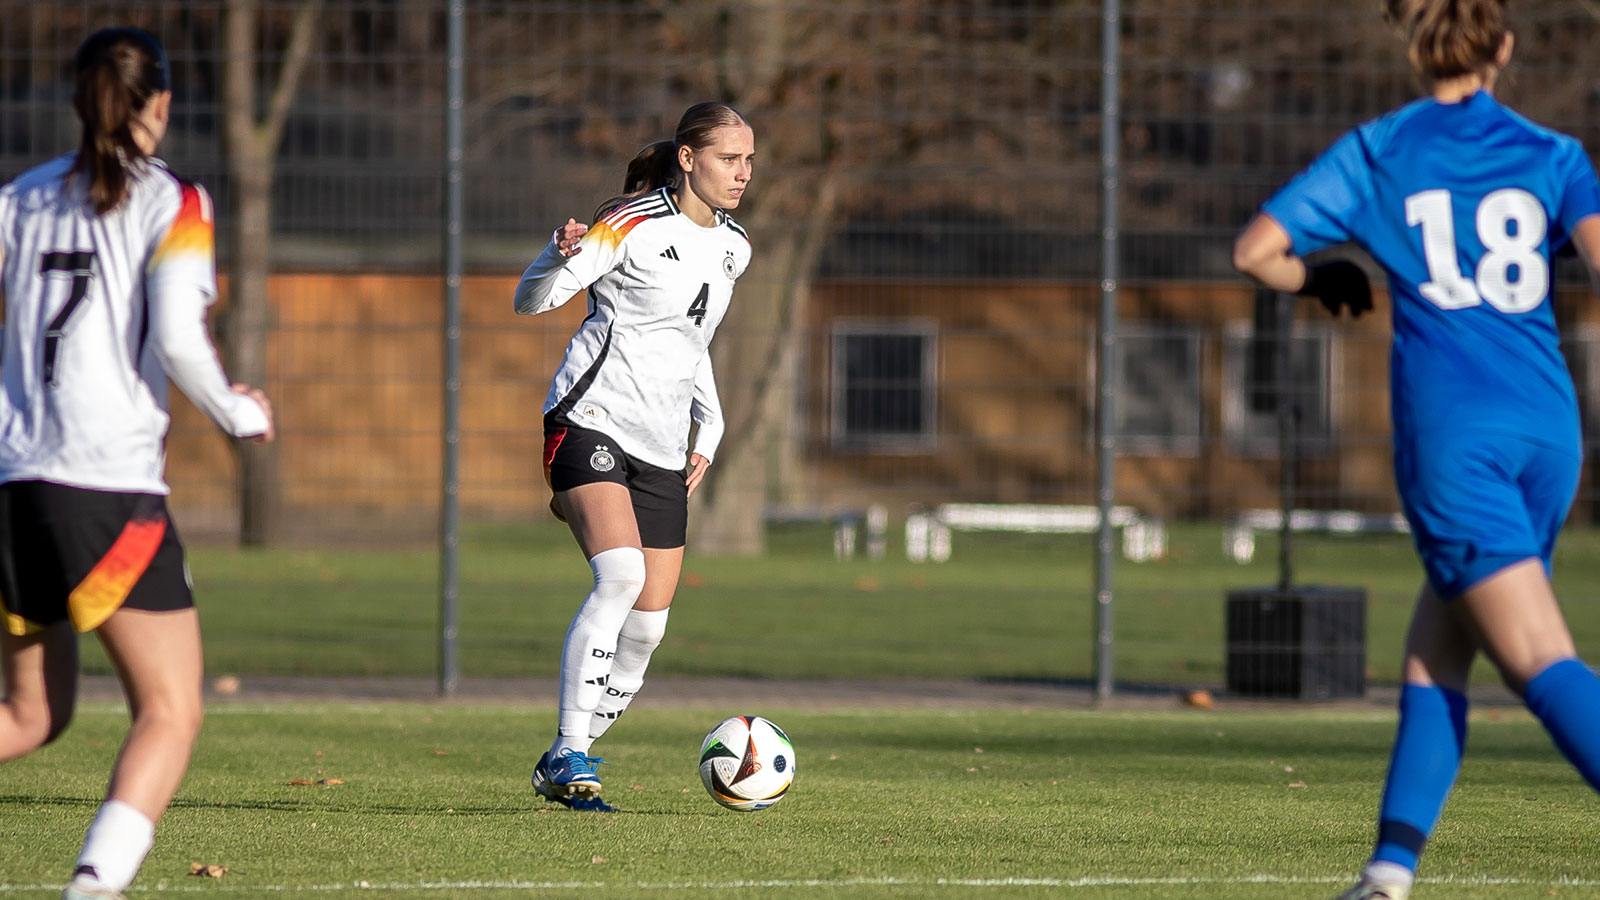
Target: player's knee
(618, 573)
(38, 724)
(178, 715)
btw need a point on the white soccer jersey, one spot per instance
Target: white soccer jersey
(100, 310)
(639, 368)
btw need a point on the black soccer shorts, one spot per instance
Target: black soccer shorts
(79, 555)
(574, 457)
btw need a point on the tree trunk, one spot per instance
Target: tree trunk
(247, 324)
(758, 359)
(250, 145)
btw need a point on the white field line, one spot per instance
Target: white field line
(770, 884)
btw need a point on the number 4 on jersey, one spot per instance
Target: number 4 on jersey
(697, 309)
(80, 265)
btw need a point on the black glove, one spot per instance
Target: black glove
(1339, 283)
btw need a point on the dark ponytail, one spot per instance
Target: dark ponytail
(656, 166)
(118, 71)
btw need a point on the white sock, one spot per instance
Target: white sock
(1388, 873)
(115, 847)
(641, 635)
(591, 643)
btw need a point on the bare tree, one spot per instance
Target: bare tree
(250, 144)
(848, 99)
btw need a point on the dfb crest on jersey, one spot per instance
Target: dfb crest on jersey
(601, 461)
(729, 267)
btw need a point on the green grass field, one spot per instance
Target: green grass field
(1005, 607)
(994, 804)
(901, 803)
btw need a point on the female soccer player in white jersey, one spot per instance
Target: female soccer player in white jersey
(1462, 202)
(659, 263)
(107, 268)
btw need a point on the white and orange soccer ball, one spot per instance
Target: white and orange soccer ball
(747, 763)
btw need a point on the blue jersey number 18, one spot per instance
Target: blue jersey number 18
(1511, 224)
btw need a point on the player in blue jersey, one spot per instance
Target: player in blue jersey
(1462, 202)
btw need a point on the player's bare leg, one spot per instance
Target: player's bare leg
(600, 516)
(1439, 648)
(1513, 615)
(1516, 619)
(661, 571)
(41, 685)
(157, 658)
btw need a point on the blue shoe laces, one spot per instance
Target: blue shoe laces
(579, 763)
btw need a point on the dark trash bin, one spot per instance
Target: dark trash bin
(1307, 643)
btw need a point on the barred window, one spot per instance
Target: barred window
(1158, 381)
(1253, 394)
(884, 385)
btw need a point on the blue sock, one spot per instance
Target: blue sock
(1427, 754)
(1566, 698)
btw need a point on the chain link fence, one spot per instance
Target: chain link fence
(918, 328)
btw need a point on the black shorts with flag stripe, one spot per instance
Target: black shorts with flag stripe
(79, 555)
(574, 457)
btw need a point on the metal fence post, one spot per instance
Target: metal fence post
(450, 503)
(1110, 126)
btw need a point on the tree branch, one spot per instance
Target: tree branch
(294, 62)
(239, 79)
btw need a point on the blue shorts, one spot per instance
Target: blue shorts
(1478, 503)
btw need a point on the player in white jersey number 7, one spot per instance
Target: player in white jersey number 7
(659, 264)
(107, 268)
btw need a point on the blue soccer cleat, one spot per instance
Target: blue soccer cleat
(591, 803)
(570, 776)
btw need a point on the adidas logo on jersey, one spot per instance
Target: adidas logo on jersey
(670, 253)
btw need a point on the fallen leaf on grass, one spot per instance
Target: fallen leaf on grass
(1297, 784)
(207, 870)
(439, 753)
(331, 781)
(637, 787)
(597, 860)
(299, 782)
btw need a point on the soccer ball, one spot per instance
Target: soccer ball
(747, 763)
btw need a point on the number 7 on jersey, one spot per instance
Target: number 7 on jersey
(80, 265)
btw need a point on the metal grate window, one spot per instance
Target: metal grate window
(884, 385)
(1158, 389)
(1252, 394)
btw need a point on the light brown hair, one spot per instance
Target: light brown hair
(1449, 38)
(656, 166)
(118, 71)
